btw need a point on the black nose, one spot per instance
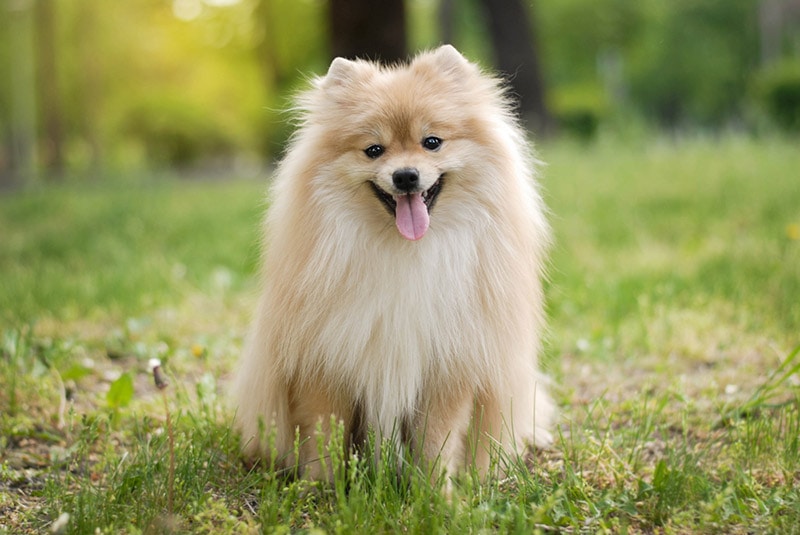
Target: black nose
(406, 179)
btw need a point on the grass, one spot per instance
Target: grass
(674, 319)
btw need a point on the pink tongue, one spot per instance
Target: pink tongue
(411, 216)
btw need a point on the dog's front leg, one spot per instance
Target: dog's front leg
(442, 431)
(313, 412)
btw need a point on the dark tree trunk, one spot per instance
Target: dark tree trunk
(22, 164)
(516, 55)
(91, 82)
(47, 81)
(446, 20)
(368, 29)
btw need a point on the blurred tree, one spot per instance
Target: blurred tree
(586, 51)
(288, 40)
(446, 17)
(93, 93)
(287, 35)
(77, 76)
(516, 53)
(777, 88)
(776, 20)
(20, 139)
(6, 130)
(368, 29)
(52, 136)
(691, 64)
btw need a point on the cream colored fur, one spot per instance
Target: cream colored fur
(440, 334)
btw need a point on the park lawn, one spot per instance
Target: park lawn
(674, 327)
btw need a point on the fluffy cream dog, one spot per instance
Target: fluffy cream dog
(402, 279)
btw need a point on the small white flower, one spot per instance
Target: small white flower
(60, 525)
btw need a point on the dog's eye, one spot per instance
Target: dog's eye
(432, 143)
(373, 151)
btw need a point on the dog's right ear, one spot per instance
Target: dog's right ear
(449, 59)
(341, 72)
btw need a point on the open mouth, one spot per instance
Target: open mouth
(411, 211)
(389, 201)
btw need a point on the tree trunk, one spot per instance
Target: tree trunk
(368, 29)
(91, 103)
(22, 153)
(52, 141)
(516, 55)
(446, 21)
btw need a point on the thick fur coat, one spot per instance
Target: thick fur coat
(402, 293)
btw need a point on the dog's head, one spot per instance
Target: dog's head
(402, 133)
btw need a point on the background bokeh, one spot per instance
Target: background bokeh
(93, 89)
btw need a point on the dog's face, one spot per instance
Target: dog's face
(403, 134)
(407, 177)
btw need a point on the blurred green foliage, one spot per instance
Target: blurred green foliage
(175, 131)
(579, 109)
(150, 83)
(778, 89)
(679, 63)
(696, 60)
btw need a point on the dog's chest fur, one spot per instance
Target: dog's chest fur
(394, 323)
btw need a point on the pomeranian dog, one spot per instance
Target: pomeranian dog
(402, 293)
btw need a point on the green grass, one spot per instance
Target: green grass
(75, 252)
(674, 323)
